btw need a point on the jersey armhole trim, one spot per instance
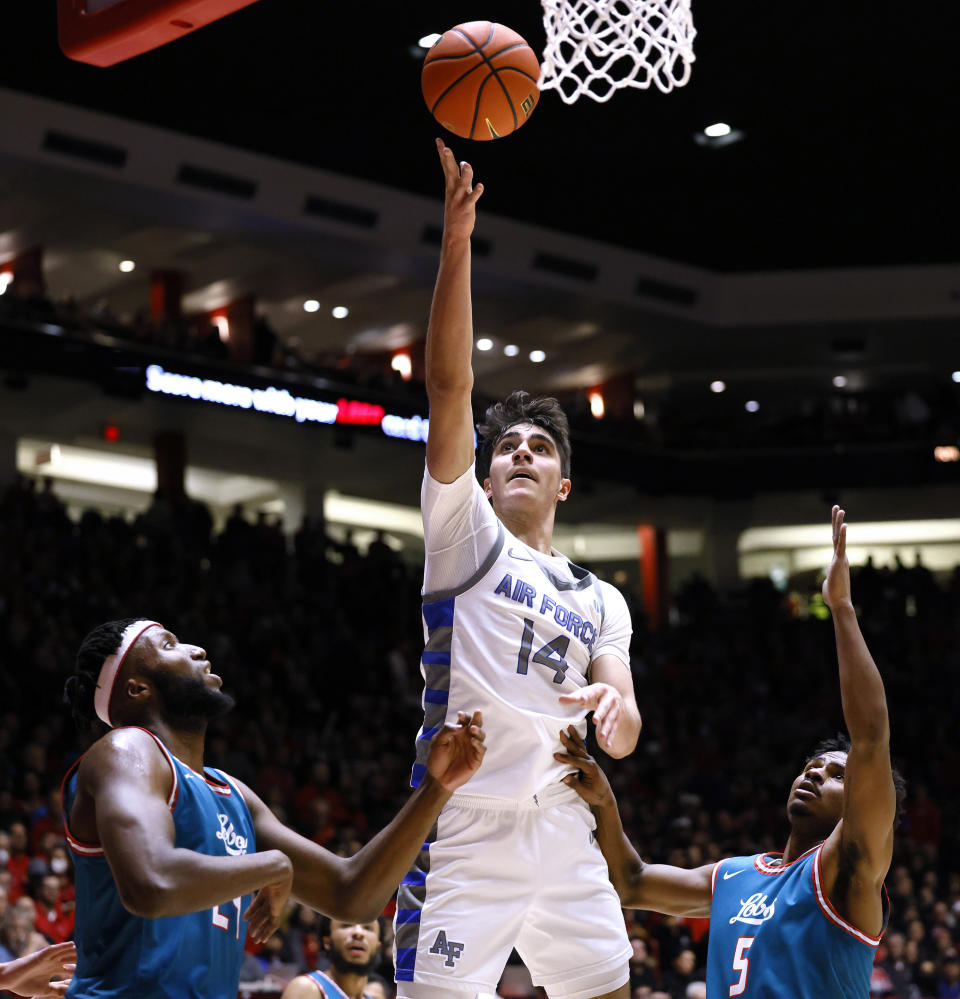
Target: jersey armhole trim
(713, 877)
(831, 913)
(175, 786)
(485, 567)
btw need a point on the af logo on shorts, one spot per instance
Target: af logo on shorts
(450, 949)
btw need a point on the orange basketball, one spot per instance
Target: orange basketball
(480, 80)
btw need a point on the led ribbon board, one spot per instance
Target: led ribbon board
(105, 32)
(279, 402)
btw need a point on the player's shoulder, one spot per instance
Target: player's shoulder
(124, 752)
(304, 987)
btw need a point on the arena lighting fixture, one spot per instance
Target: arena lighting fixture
(839, 381)
(339, 312)
(900, 532)
(537, 356)
(484, 343)
(597, 407)
(718, 386)
(6, 279)
(717, 130)
(402, 364)
(223, 325)
(511, 350)
(311, 305)
(126, 266)
(428, 41)
(639, 409)
(946, 453)
(752, 406)
(955, 376)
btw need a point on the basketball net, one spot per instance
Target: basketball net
(595, 47)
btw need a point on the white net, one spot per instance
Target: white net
(595, 47)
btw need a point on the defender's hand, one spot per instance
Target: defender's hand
(456, 751)
(30, 975)
(836, 586)
(606, 703)
(264, 912)
(460, 203)
(590, 782)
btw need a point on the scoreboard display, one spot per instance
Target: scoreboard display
(105, 32)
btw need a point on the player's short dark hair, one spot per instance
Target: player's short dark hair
(78, 691)
(840, 743)
(521, 407)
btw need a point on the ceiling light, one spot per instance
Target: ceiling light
(511, 350)
(597, 407)
(639, 410)
(428, 41)
(339, 312)
(6, 279)
(311, 305)
(537, 356)
(484, 343)
(403, 365)
(839, 381)
(946, 452)
(718, 130)
(955, 376)
(752, 406)
(127, 265)
(718, 386)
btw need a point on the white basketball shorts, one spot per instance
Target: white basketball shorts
(500, 874)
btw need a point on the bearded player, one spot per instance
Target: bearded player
(353, 949)
(806, 922)
(535, 642)
(174, 860)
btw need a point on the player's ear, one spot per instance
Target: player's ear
(564, 491)
(487, 488)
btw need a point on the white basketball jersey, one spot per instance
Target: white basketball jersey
(509, 641)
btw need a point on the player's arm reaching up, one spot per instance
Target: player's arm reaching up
(356, 889)
(675, 891)
(449, 348)
(856, 856)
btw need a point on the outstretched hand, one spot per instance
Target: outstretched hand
(836, 585)
(606, 703)
(456, 751)
(30, 975)
(265, 911)
(590, 782)
(460, 203)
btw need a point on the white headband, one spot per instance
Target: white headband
(111, 668)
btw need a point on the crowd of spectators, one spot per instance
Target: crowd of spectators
(320, 644)
(810, 419)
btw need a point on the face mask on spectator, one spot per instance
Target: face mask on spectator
(58, 865)
(4, 857)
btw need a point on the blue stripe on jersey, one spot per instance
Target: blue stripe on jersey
(408, 916)
(438, 614)
(436, 696)
(419, 772)
(435, 658)
(428, 733)
(406, 962)
(414, 877)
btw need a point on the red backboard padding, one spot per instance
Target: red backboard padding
(125, 28)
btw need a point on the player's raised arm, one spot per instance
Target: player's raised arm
(675, 891)
(357, 888)
(129, 779)
(449, 350)
(862, 844)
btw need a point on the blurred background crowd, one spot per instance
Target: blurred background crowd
(734, 694)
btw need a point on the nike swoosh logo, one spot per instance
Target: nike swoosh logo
(732, 874)
(522, 558)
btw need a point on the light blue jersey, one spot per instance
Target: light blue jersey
(196, 956)
(775, 935)
(328, 986)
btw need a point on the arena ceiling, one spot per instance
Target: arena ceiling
(821, 243)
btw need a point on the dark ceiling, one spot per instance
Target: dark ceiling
(850, 156)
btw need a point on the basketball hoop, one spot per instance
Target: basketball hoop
(595, 47)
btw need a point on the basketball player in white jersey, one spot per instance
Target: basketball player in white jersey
(535, 642)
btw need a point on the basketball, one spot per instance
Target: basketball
(480, 80)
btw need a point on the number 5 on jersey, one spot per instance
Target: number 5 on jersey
(741, 963)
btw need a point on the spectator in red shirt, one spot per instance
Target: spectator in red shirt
(18, 860)
(52, 921)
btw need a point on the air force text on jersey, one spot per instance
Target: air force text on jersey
(522, 592)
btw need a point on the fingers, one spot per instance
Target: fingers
(571, 699)
(842, 543)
